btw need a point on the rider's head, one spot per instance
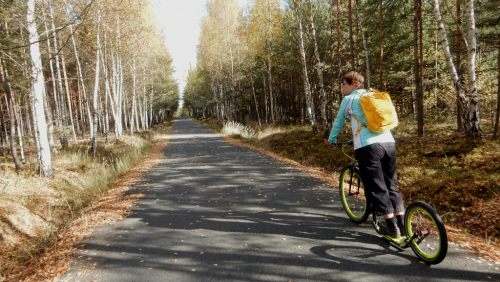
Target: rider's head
(353, 78)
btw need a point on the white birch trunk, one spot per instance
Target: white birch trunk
(119, 91)
(51, 122)
(453, 71)
(51, 65)
(324, 118)
(132, 124)
(107, 91)
(96, 87)
(120, 98)
(471, 69)
(307, 88)
(37, 81)
(151, 105)
(87, 106)
(62, 137)
(84, 92)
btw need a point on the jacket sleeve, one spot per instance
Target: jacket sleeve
(339, 120)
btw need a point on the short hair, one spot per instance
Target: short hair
(354, 77)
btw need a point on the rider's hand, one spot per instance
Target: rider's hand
(330, 145)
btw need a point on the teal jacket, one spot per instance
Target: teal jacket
(350, 106)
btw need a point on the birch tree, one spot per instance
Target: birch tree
(470, 114)
(37, 82)
(319, 66)
(96, 86)
(307, 88)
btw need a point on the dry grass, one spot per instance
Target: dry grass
(269, 131)
(34, 210)
(234, 128)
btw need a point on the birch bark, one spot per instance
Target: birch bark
(134, 78)
(307, 88)
(467, 123)
(84, 92)
(416, 63)
(96, 86)
(319, 69)
(471, 70)
(62, 135)
(45, 159)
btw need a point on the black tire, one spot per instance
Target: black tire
(353, 200)
(431, 247)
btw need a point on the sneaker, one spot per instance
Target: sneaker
(402, 230)
(391, 233)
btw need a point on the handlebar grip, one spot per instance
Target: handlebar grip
(338, 143)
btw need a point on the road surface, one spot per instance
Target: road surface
(218, 212)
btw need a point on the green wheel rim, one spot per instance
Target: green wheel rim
(346, 205)
(428, 220)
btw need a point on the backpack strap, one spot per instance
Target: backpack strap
(348, 111)
(359, 127)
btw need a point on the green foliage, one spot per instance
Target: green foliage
(210, 91)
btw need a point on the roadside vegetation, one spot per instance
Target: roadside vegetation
(34, 209)
(459, 177)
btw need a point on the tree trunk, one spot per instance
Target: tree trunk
(319, 69)
(469, 131)
(151, 95)
(132, 124)
(255, 98)
(45, 159)
(271, 97)
(307, 87)
(497, 118)
(96, 87)
(458, 52)
(3, 129)
(339, 63)
(368, 80)
(471, 71)
(381, 39)
(51, 65)
(68, 97)
(416, 61)
(19, 132)
(12, 116)
(63, 138)
(351, 42)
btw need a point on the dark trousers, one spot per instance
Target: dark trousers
(377, 165)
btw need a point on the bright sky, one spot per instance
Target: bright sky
(181, 22)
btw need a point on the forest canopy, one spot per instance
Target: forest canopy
(81, 68)
(279, 62)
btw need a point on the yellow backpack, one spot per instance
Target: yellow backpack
(379, 111)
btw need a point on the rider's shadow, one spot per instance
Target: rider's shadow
(379, 246)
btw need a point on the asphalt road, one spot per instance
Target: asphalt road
(218, 212)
